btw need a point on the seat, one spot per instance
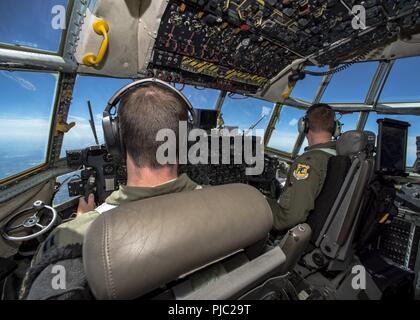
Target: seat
(334, 227)
(296, 241)
(137, 248)
(337, 169)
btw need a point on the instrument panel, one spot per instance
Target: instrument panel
(241, 44)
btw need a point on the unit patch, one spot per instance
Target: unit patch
(301, 172)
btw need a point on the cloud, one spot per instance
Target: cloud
(293, 122)
(81, 135)
(77, 119)
(26, 44)
(283, 141)
(265, 111)
(36, 131)
(247, 113)
(22, 82)
(23, 129)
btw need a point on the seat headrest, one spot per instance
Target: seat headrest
(135, 248)
(354, 142)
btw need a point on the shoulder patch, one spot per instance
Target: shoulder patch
(301, 172)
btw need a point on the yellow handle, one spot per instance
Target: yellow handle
(100, 27)
(384, 218)
(288, 91)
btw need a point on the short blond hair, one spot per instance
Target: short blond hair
(321, 117)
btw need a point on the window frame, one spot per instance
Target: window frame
(197, 88)
(63, 39)
(78, 76)
(284, 153)
(300, 100)
(372, 104)
(371, 100)
(52, 128)
(369, 86)
(381, 91)
(222, 99)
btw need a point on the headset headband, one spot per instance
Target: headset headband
(303, 124)
(115, 99)
(110, 122)
(316, 106)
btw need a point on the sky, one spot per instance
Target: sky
(28, 23)
(27, 97)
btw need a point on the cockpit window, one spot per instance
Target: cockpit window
(26, 108)
(246, 113)
(33, 24)
(348, 120)
(200, 98)
(306, 89)
(402, 84)
(86, 89)
(286, 131)
(413, 131)
(351, 85)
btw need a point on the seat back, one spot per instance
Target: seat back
(141, 246)
(338, 235)
(338, 166)
(334, 240)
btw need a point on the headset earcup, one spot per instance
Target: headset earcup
(108, 134)
(121, 144)
(302, 125)
(337, 129)
(112, 136)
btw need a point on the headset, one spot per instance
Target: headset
(110, 120)
(303, 124)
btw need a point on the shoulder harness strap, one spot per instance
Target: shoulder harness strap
(326, 150)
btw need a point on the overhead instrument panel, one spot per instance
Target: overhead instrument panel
(239, 45)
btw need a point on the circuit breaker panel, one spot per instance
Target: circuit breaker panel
(240, 44)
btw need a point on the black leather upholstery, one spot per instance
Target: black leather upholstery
(338, 167)
(352, 142)
(140, 246)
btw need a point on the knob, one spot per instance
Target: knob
(38, 205)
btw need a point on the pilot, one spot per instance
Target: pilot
(142, 112)
(307, 173)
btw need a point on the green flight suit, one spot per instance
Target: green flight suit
(73, 232)
(304, 183)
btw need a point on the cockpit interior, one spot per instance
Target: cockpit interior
(254, 66)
